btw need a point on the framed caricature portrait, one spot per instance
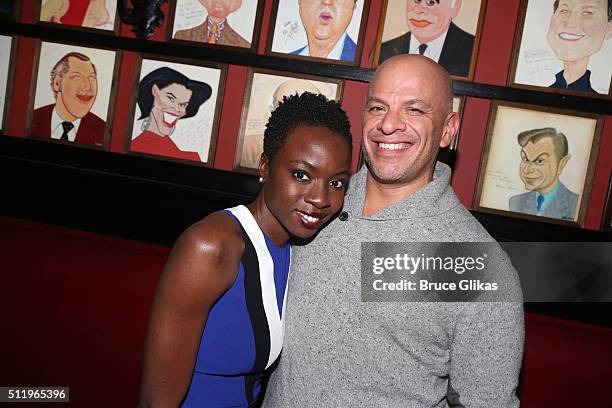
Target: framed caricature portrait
(563, 46)
(606, 224)
(264, 90)
(538, 163)
(315, 29)
(176, 109)
(231, 23)
(88, 14)
(72, 96)
(447, 31)
(7, 56)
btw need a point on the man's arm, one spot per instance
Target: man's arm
(486, 354)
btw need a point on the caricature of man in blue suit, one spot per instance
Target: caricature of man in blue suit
(544, 154)
(325, 22)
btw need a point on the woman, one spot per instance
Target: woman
(164, 97)
(216, 322)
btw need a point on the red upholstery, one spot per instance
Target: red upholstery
(75, 305)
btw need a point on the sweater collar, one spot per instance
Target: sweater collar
(436, 197)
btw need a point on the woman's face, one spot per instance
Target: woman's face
(306, 181)
(169, 105)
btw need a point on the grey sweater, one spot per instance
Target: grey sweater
(342, 352)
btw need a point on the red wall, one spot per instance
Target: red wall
(492, 68)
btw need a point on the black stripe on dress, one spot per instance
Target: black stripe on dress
(257, 313)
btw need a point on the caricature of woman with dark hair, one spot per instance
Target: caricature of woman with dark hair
(164, 97)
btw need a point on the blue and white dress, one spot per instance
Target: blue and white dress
(243, 335)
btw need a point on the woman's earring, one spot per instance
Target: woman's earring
(261, 180)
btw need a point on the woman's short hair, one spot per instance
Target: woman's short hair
(305, 109)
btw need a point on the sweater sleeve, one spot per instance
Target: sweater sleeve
(486, 354)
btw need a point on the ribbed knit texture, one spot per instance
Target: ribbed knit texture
(342, 352)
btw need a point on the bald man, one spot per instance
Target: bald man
(342, 351)
(253, 144)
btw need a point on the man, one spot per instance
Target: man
(433, 34)
(342, 352)
(577, 30)
(84, 13)
(74, 84)
(544, 154)
(325, 22)
(253, 144)
(215, 29)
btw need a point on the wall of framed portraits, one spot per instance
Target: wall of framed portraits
(509, 60)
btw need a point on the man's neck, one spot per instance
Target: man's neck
(574, 70)
(381, 195)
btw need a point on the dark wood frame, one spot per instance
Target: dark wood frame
(111, 98)
(9, 84)
(359, 40)
(477, 34)
(606, 224)
(516, 45)
(254, 39)
(247, 98)
(214, 131)
(588, 180)
(15, 14)
(114, 31)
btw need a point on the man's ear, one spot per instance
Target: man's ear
(609, 30)
(563, 162)
(450, 129)
(155, 90)
(235, 5)
(456, 9)
(57, 83)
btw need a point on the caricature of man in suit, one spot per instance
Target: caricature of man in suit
(74, 84)
(215, 29)
(433, 34)
(544, 154)
(577, 30)
(325, 22)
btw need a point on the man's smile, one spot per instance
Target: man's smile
(85, 98)
(420, 23)
(570, 36)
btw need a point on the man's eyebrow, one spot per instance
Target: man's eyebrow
(171, 94)
(540, 156)
(374, 99)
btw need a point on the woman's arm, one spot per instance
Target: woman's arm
(202, 266)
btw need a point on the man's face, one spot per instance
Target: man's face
(169, 105)
(218, 10)
(326, 19)
(77, 90)
(578, 28)
(540, 168)
(406, 120)
(429, 19)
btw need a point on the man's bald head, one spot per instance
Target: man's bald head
(292, 87)
(414, 64)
